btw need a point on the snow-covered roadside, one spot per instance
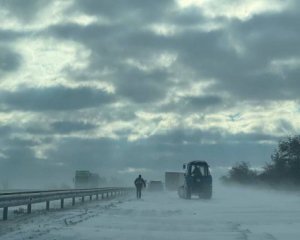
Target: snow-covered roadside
(40, 223)
(233, 213)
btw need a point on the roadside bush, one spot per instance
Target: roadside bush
(285, 163)
(241, 173)
(282, 171)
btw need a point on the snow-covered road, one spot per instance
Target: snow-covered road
(233, 213)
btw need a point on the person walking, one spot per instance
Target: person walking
(139, 184)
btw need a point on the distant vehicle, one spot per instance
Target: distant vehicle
(155, 186)
(173, 180)
(197, 180)
(86, 179)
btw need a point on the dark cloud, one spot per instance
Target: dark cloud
(170, 149)
(140, 86)
(37, 129)
(20, 168)
(264, 38)
(159, 152)
(110, 45)
(55, 98)
(188, 17)
(18, 163)
(68, 127)
(24, 10)
(10, 61)
(237, 56)
(165, 150)
(126, 9)
(19, 142)
(5, 130)
(194, 104)
(208, 53)
(272, 35)
(179, 136)
(83, 153)
(252, 138)
(200, 101)
(7, 35)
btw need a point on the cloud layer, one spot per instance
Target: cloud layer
(116, 85)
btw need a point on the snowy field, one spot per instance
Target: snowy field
(233, 213)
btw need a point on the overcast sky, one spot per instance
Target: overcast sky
(138, 86)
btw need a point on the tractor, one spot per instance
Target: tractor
(197, 181)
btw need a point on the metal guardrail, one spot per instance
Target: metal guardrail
(14, 199)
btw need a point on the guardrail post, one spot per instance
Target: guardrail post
(73, 201)
(62, 203)
(97, 196)
(5, 213)
(82, 199)
(91, 197)
(47, 205)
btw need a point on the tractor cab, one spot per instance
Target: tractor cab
(197, 180)
(197, 169)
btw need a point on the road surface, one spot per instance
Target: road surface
(233, 213)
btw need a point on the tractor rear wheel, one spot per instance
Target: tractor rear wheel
(207, 193)
(188, 193)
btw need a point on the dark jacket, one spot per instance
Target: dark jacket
(139, 182)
